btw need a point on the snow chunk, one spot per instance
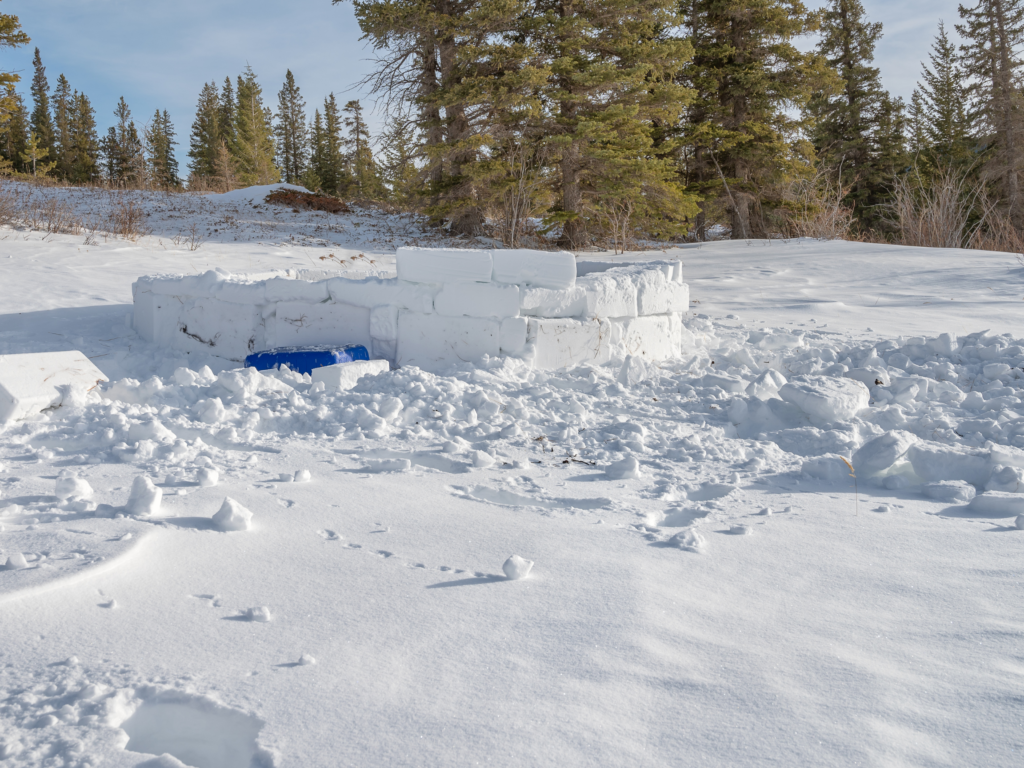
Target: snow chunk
(1019, 522)
(16, 562)
(303, 476)
(71, 486)
(233, 517)
(207, 477)
(516, 568)
(145, 497)
(689, 541)
(998, 504)
(935, 463)
(344, 376)
(306, 660)
(261, 614)
(482, 459)
(627, 469)
(879, 454)
(826, 399)
(952, 492)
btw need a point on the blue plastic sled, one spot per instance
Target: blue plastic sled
(305, 359)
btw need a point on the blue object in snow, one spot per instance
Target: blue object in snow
(305, 359)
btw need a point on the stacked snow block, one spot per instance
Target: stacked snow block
(441, 307)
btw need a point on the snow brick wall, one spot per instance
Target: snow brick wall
(441, 307)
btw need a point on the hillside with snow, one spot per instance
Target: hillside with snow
(711, 586)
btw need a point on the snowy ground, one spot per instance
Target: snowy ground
(670, 619)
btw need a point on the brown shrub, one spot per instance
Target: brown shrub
(307, 201)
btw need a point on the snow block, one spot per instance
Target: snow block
(543, 269)
(546, 302)
(659, 295)
(384, 323)
(512, 337)
(31, 383)
(610, 294)
(227, 330)
(649, 338)
(306, 359)
(443, 265)
(346, 375)
(878, 455)
(477, 300)
(295, 324)
(826, 399)
(563, 343)
(934, 462)
(433, 342)
(373, 292)
(284, 289)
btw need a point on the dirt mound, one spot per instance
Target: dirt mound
(307, 201)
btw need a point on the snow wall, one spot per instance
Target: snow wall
(441, 307)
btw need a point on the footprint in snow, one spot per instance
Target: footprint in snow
(329, 535)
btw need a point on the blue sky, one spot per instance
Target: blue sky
(158, 53)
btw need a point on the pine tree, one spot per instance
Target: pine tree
(944, 100)
(846, 122)
(365, 181)
(399, 149)
(63, 104)
(312, 179)
(126, 164)
(332, 168)
(14, 130)
(84, 144)
(159, 137)
(292, 138)
(917, 124)
(42, 122)
(34, 155)
(252, 147)
(11, 36)
(748, 75)
(226, 122)
(994, 33)
(207, 135)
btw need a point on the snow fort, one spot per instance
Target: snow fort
(440, 307)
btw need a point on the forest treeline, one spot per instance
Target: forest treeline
(606, 121)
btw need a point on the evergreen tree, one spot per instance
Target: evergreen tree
(399, 149)
(11, 105)
(292, 138)
(207, 134)
(917, 124)
(63, 104)
(332, 167)
(159, 136)
(226, 122)
(34, 155)
(11, 36)
(748, 75)
(312, 179)
(943, 97)
(252, 147)
(994, 34)
(84, 144)
(14, 128)
(847, 122)
(126, 164)
(365, 181)
(42, 122)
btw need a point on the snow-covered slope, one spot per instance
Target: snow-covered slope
(709, 588)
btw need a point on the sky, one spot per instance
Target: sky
(158, 54)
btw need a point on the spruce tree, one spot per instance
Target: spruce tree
(206, 136)
(126, 164)
(292, 138)
(332, 168)
(365, 181)
(226, 122)
(399, 149)
(994, 35)
(252, 147)
(42, 122)
(312, 179)
(14, 130)
(159, 136)
(846, 122)
(748, 76)
(63, 104)
(944, 100)
(35, 155)
(84, 146)
(11, 36)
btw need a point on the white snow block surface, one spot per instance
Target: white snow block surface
(31, 383)
(443, 265)
(477, 300)
(546, 302)
(544, 269)
(433, 342)
(346, 375)
(566, 343)
(513, 335)
(296, 325)
(610, 294)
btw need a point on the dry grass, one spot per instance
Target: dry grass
(307, 201)
(127, 219)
